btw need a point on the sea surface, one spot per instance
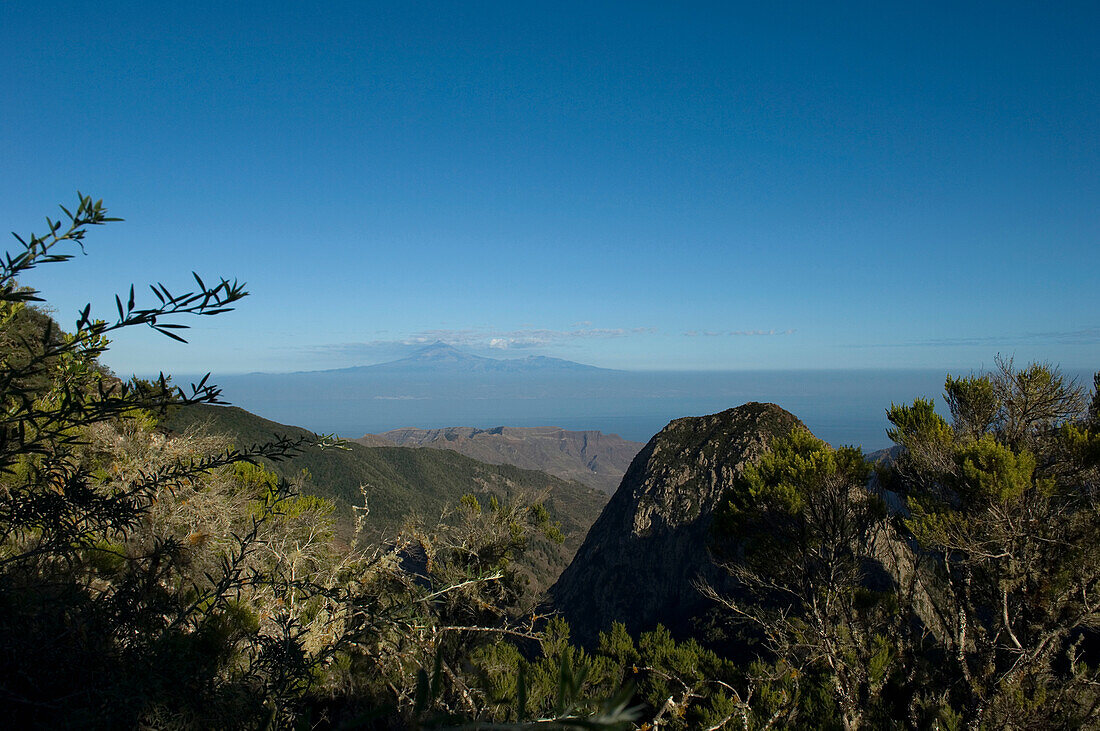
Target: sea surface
(840, 406)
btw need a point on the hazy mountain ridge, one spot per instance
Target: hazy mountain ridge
(440, 357)
(590, 457)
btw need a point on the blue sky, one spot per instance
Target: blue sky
(679, 186)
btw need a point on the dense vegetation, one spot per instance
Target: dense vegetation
(154, 574)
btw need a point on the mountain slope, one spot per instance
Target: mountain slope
(590, 457)
(640, 562)
(402, 481)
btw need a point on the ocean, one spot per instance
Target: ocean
(840, 406)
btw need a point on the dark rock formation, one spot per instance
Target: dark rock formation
(642, 558)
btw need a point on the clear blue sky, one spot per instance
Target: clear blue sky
(633, 185)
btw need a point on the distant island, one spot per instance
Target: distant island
(441, 357)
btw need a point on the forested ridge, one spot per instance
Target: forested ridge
(158, 573)
(383, 489)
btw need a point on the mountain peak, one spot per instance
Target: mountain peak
(438, 351)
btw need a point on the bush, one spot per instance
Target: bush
(138, 582)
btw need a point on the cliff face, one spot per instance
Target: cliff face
(640, 561)
(589, 457)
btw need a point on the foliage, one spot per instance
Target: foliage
(1002, 509)
(804, 541)
(137, 579)
(662, 682)
(974, 603)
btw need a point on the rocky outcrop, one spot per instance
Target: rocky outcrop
(643, 557)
